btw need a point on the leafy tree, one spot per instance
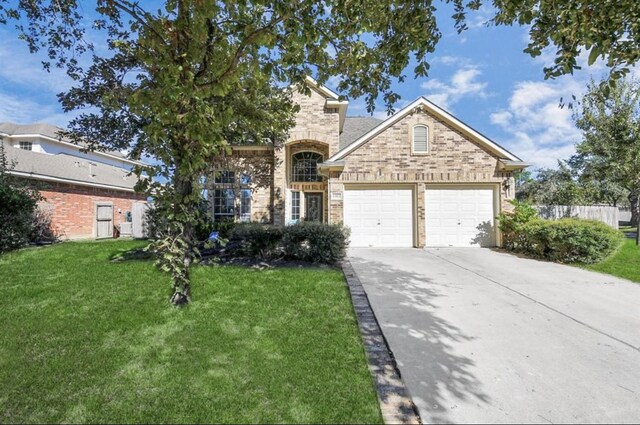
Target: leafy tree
(610, 149)
(553, 187)
(183, 82)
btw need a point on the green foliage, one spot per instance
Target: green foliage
(555, 187)
(606, 30)
(568, 240)
(511, 223)
(610, 148)
(306, 241)
(223, 227)
(174, 254)
(257, 240)
(315, 242)
(18, 204)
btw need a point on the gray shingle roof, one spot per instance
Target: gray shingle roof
(68, 167)
(355, 127)
(44, 129)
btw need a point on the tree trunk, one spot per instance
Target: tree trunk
(184, 210)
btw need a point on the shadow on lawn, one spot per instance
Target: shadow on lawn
(428, 348)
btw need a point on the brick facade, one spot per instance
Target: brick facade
(73, 207)
(386, 160)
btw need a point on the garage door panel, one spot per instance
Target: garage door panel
(459, 217)
(379, 218)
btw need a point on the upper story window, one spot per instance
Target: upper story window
(224, 177)
(420, 139)
(27, 146)
(304, 167)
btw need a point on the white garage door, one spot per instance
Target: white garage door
(379, 218)
(459, 217)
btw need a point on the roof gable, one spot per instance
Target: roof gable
(439, 113)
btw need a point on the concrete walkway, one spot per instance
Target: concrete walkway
(485, 336)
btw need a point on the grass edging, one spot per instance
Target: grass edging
(396, 404)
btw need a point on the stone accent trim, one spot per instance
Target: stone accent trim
(396, 404)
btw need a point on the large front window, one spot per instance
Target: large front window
(231, 196)
(304, 167)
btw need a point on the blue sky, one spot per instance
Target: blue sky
(481, 76)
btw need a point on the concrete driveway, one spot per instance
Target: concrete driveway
(484, 336)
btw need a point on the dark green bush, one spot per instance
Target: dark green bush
(223, 227)
(17, 207)
(511, 222)
(315, 242)
(568, 240)
(257, 240)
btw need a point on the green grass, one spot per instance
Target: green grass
(87, 340)
(625, 262)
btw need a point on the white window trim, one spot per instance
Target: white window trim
(413, 140)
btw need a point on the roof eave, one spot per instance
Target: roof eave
(440, 113)
(508, 165)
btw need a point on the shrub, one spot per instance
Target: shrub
(510, 223)
(568, 240)
(315, 242)
(17, 206)
(257, 240)
(223, 227)
(41, 229)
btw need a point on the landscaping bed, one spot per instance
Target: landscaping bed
(86, 339)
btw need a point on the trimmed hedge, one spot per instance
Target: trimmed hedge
(306, 241)
(256, 240)
(568, 240)
(315, 242)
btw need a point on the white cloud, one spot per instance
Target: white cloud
(463, 83)
(23, 111)
(540, 131)
(25, 69)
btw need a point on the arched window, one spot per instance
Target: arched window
(420, 139)
(304, 167)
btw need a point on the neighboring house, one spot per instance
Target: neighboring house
(419, 178)
(87, 193)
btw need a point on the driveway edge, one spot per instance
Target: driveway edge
(396, 404)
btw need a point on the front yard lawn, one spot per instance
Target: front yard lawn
(623, 263)
(87, 340)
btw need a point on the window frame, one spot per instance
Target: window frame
(427, 140)
(25, 143)
(294, 172)
(231, 185)
(296, 205)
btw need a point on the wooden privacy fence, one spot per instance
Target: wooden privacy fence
(605, 214)
(139, 219)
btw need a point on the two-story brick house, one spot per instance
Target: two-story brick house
(419, 178)
(87, 194)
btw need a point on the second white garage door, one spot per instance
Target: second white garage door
(459, 217)
(379, 218)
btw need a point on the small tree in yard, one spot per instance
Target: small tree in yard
(181, 82)
(18, 204)
(609, 118)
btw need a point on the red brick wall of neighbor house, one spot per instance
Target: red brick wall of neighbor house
(73, 207)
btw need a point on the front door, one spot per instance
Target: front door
(313, 206)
